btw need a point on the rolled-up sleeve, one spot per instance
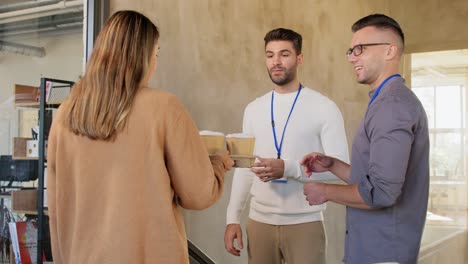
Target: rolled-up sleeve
(390, 131)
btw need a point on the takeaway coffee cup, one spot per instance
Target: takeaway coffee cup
(241, 149)
(240, 144)
(214, 141)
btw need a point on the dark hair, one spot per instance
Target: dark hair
(285, 34)
(379, 21)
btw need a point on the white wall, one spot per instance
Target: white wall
(63, 60)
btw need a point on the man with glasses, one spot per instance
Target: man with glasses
(288, 122)
(388, 179)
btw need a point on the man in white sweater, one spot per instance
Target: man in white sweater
(287, 122)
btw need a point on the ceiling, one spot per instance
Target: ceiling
(23, 20)
(9, 2)
(439, 68)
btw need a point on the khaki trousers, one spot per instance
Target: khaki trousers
(290, 244)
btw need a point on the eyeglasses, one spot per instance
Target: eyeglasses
(357, 50)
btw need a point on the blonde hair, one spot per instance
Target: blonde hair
(100, 102)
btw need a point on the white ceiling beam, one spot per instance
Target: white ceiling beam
(42, 11)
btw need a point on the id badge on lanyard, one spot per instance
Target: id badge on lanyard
(280, 146)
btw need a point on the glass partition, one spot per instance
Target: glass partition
(40, 38)
(37, 39)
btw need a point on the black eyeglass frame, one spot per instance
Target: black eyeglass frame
(353, 49)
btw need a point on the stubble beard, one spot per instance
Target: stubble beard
(282, 80)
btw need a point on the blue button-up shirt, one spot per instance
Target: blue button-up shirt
(390, 165)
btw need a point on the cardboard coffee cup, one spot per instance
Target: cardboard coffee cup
(214, 141)
(241, 149)
(240, 145)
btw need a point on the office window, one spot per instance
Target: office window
(439, 80)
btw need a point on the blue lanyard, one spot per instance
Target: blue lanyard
(278, 148)
(380, 87)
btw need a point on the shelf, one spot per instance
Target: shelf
(28, 96)
(30, 212)
(34, 104)
(27, 104)
(24, 158)
(34, 201)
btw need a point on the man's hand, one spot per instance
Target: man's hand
(268, 169)
(233, 232)
(316, 162)
(315, 193)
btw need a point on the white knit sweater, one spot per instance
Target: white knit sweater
(315, 125)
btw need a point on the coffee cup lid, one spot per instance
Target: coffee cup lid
(239, 135)
(210, 133)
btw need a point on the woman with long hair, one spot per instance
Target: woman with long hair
(122, 157)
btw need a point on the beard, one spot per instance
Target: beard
(281, 80)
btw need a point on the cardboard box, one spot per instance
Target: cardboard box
(32, 148)
(26, 94)
(24, 200)
(19, 147)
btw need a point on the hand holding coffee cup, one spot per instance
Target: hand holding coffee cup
(224, 156)
(268, 169)
(214, 143)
